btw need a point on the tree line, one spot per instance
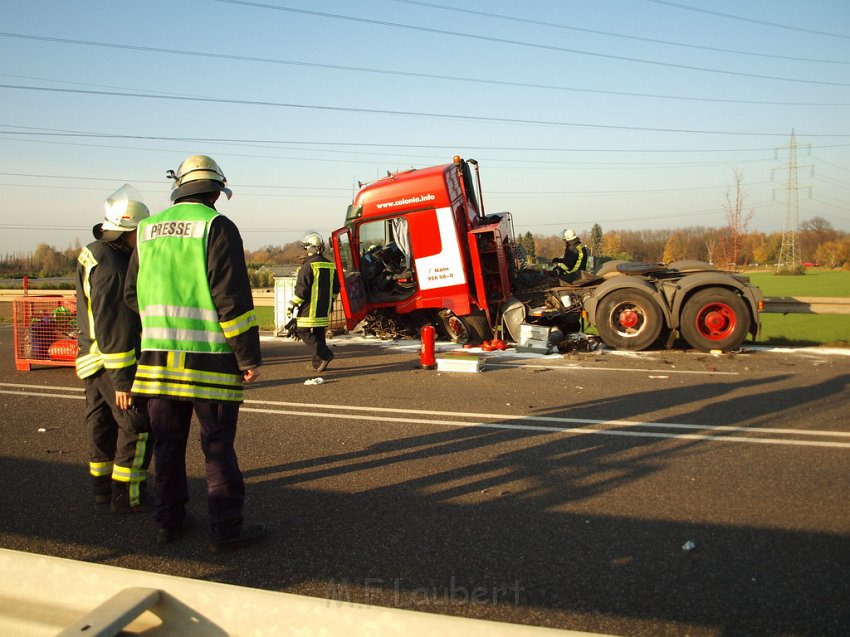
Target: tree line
(816, 242)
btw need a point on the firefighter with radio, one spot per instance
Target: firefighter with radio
(574, 261)
(200, 345)
(117, 425)
(316, 286)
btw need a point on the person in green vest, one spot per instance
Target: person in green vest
(200, 343)
(313, 298)
(108, 341)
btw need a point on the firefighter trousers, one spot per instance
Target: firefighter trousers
(315, 339)
(170, 421)
(119, 439)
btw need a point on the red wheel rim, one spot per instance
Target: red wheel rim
(716, 321)
(628, 318)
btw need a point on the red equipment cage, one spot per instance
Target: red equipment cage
(45, 331)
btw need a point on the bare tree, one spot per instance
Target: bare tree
(737, 219)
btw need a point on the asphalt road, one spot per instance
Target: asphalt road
(661, 493)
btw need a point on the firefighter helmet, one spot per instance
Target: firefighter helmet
(313, 243)
(569, 234)
(123, 210)
(198, 174)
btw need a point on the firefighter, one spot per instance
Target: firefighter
(312, 302)
(574, 261)
(200, 343)
(116, 424)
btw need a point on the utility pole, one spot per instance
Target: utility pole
(789, 256)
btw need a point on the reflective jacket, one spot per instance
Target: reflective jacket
(109, 330)
(189, 282)
(574, 259)
(315, 288)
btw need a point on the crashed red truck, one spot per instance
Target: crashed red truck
(418, 249)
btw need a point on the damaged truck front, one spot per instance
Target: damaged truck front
(418, 249)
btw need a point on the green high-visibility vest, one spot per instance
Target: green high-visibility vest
(175, 303)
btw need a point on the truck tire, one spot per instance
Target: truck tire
(715, 318)
(472, 329)
(628, 319)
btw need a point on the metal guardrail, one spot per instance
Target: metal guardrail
(806, 305)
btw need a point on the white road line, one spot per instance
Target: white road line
(574, 366)
(563, 430)
(552, 419)
(44, 387)
(514, 421)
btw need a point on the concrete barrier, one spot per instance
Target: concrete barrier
(42, 595)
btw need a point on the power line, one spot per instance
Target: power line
(533, 45)
(752, 20)
(554, 25)
(451, 78)
(40, 131)
(379, 111)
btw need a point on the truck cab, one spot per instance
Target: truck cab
(416, 243)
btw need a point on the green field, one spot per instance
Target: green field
(831, 330)
(265, 317)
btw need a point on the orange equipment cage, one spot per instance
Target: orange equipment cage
(45, 329)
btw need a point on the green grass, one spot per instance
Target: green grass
(831, 330)
(265, 317)
(814, 283)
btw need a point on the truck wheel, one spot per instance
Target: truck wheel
(715, 318)
(628, 319)
(472, 329)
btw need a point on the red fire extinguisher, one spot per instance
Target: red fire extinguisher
(426, 354)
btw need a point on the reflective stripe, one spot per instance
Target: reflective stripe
(181, 382)
(240, 324)
(89, 364)
(188, 375)
(119, 360)
(182, 312)
(128, 474)
(180, 335)
(312, 321)
(178, 390)
(100, 469)
(174, 360)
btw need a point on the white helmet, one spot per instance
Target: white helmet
(123, 210)
(313, 243)
(198, 174)
(569, 234)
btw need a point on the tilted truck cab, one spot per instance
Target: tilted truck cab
(417, 240)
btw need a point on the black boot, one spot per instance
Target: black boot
(121, 502)
(101, 486)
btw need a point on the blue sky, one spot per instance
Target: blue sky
(628, 113)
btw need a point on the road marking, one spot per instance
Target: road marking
(44, 387)
(574, 430)
(514, 422)
(574, 366)
(553, 419)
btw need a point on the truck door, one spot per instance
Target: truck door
(351, 288)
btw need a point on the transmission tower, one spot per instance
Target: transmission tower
(789, 257)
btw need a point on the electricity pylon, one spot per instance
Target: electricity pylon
(789, 257)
